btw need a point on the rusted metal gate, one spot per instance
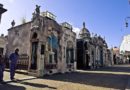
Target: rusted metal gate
(23, 62)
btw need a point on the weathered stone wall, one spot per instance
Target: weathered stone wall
(19, 37)
(3, 43)
(68, 36)
(92, 55)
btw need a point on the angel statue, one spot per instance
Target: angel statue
(37, 9)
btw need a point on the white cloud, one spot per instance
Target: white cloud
(76, 30)
(11, 1)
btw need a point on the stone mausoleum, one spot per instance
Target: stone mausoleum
(46, 47)
(92, 51)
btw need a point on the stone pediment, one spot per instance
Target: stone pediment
(35, 24)
(69, 44)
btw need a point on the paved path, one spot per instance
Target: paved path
(108, 78)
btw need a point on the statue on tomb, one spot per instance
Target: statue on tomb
(13, 23)
(34, 16)
(83, 24)
(37, 9)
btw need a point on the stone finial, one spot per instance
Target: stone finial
(95, 35)
(13, 23)
(83, 24)
(37, 9)
(2, 35)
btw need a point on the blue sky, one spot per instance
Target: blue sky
(104, 17)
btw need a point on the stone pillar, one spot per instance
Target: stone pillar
(75, 63)
(40, 61)
(41, 66)
(52, 53)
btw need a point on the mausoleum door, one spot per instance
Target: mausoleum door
(87, 61)
(34, 55)
(101, 57)
(70, 56)
(1, 50)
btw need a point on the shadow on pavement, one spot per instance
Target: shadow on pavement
(11, 87)
(94, 79)
(22, 81)
(107, 80)
(116, 68)
(37, 85)
(19, 80)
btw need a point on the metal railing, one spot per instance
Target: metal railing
(23, 62)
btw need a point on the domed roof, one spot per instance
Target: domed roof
(84, 33)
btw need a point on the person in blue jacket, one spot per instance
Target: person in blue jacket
(13, 62)
(2, 66)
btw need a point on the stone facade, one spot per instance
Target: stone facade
(120, 57)
(19, 37)
(50, 46)
(92, 51)
(116, 55)
(83, 49)
(109, 59)
(99, 48)
(3, 44)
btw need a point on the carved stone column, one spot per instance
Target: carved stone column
(40, 60)
(75, 62)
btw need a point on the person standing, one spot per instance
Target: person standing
(13, 63)
(2, 66)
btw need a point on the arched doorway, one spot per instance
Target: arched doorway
(101, 57)
(87, 57)
(69, 53)
(34, 44)
(93, 61)
(83, 57)
(114, 58)
(80, 55)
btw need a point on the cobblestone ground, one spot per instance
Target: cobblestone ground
(108, 78)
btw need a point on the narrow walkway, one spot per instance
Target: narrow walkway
(108, 78)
